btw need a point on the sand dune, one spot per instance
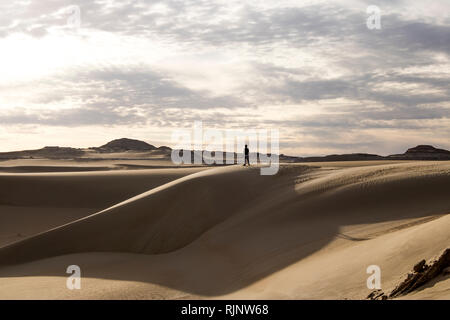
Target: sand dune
(309, 232)
(82, 189)
(35, 202)
(146, 223)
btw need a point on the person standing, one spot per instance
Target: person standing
(247, 158)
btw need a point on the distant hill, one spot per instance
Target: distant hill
(115, 146)
(124, 144)
(342, 157)
(163, 150)
(423, 152)
(47, 152)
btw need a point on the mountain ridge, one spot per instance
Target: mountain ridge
(123, 145)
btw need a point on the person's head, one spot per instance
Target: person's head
(246, 146)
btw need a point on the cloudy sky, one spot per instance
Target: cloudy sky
(141, 69)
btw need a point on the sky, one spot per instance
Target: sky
(82, 72)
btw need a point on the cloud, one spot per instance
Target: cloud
(109, 96)
(265, 57)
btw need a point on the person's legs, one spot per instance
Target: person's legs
(247, 160)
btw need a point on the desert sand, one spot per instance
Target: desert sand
(310, 232)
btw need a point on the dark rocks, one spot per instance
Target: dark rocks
(423, 273)
(419, 266)
(377, 295)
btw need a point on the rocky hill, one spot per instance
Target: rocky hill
(423, 152)
(124, 144)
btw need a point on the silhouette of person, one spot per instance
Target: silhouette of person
(246, 152)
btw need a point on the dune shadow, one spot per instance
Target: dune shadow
(347, 237)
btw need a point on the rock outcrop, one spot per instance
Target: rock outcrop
(422, 273)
